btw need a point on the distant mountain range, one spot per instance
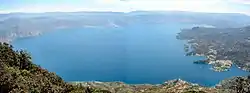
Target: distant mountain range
(16, 25)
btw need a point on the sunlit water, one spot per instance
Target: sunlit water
(135, 54)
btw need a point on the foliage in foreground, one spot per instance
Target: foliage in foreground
(20, 75)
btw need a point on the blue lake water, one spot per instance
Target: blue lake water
(135, 54)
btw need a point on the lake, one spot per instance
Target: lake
(134, 54)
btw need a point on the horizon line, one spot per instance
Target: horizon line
(99, 11)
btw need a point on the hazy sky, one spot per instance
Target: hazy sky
(235, 6)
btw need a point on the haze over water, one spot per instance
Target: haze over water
(134, 54)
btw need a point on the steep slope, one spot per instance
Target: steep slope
(19, 75)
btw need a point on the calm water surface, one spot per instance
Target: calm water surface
(135, 54)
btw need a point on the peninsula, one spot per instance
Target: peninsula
(222, 47)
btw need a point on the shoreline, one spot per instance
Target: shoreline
(217, 65)
(11, 39)
(170, 86)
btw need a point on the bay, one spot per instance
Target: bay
(134, 54)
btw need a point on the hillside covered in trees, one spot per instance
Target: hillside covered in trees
(19, 75)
